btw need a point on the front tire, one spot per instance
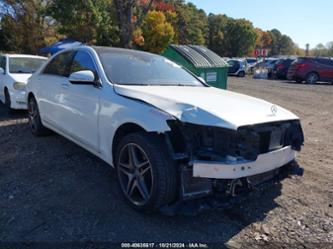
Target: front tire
(36, 126)
(8, 102)
(146, 174)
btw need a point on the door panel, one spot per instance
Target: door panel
(330, 71)
(2, 78)
(80, 104)
(234, 66)
(325, 69)
(48, 95)
(50, 87)
(79, 109)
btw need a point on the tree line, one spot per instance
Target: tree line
(322, 50)
(151, 25)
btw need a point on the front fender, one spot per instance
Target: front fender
(124, 110)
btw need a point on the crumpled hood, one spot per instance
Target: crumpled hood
(207, 105)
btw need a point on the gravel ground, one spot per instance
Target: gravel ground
(53, 191)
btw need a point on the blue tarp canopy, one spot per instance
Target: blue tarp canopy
(60, 45)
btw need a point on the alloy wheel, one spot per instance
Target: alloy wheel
(312, 78)
(32, 114)
(7, 100)
(135, 174)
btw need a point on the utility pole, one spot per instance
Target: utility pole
(307, 49)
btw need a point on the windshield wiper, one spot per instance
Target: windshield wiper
(153, 84)
(20, 71)
(177, 84)
(126, 84)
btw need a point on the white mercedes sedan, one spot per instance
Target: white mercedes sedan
(15, 69)
(170, 136)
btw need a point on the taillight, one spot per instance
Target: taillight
(299, 66)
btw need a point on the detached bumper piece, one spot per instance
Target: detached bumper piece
(224, 194)
(264, 162)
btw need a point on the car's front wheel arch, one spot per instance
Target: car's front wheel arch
(120, 133)
(35, 122)
(30, 95)
(7, 99)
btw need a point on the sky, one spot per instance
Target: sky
(305, 21)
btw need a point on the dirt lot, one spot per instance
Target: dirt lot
(53, 191)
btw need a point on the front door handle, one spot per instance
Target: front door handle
(64, 85)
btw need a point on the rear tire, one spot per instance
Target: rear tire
(36, 126)
(241, 74)
(312, 78)
(146, 174)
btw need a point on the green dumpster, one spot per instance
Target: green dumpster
(201, 61)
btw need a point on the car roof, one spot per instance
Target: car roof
(315, 57)
(236, 59)
(137, 53)
(285, 59)
(24, 56)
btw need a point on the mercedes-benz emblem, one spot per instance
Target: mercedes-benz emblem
(274, 109)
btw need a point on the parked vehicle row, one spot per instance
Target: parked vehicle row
(302, 69)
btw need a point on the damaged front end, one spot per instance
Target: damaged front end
(218, 160)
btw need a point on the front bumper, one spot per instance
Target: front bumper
(18, 100)
(264, 163)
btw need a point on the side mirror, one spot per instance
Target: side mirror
(2, 71)
(84, 77)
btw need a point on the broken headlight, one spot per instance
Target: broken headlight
(198, 142)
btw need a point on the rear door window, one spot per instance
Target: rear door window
(324, 61)
(60, 65)
(232, 63)
(289, 61)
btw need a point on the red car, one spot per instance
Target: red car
(311, 70)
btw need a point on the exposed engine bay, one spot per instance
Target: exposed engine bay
(190, 143)
(216, 144)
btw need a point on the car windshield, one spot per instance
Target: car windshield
(25, 64)
(251, 60)
(126, 67)
(232, 62)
